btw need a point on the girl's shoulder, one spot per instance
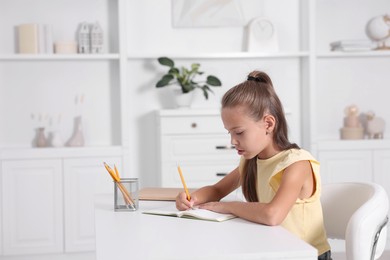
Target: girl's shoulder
(291, 156)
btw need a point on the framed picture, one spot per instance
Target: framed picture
(207, 13)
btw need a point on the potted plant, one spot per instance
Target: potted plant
(185, 78)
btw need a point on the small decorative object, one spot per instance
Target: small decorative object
(378, 30)
(77, 138)
(84, 38)
(96, 36)
(40, 138)
(65, 47)
(39, 121)
(352, 45)
(262, 36)
(375, 126)
(55, 139)
(352, 127)
(185, 78)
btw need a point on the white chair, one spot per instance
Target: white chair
(358, 214)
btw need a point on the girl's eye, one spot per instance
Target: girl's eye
(239, 133)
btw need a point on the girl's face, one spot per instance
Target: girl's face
(249, 137)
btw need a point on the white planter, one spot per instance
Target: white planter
(183, 100)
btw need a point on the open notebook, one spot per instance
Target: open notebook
(201, 214)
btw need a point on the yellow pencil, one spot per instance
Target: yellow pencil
(184, 183)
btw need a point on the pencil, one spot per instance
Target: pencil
(115, 176)
(184, 183)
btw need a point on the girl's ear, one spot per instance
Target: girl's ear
(269, 121)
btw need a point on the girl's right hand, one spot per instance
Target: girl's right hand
(182, 203)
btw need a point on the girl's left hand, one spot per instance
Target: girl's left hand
(220, 207)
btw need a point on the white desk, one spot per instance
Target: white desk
(133, 235)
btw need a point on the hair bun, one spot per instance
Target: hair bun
(257, 79)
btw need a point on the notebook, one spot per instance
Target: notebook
(196, 213)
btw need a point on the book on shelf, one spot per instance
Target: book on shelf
(35, 38)
(351, 45)
(196, 213)
(28, 38)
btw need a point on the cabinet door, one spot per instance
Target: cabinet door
(176, 148)
(343, 166)
(31, 192)
(83, 178)
(382, 168)
(196, 174)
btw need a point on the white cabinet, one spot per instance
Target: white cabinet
(382, 168)
(365, 160)
(341, 166)
(47, 204)
(32, 206)
(197, 140)
(83, 179)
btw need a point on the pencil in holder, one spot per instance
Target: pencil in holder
(126, 194)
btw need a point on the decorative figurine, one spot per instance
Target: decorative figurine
(83, 37)
(96, 37)
(378, 30)
(77, 138)
(375, 126)
(40, 139)
(352, 126)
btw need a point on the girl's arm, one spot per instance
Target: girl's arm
(297, 182)
(210, 193)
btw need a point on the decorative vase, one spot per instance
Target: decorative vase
(40, 137)
(77, 138)
(55, 139)
(183, 100)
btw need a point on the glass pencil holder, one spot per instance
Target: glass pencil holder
(126, 194)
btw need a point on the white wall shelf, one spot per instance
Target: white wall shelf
(65, 152)
(58, 57)
(365, 54)
(227, 55)
(354, 144)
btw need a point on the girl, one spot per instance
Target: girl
(280, 181)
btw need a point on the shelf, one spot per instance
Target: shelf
(355, 54)
(196, 112)
(58, 57)
(53, 152)
(230, 55)
(353, 144)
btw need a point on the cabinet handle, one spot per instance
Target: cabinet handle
(221, 174)
(224, 147)
(194, 125)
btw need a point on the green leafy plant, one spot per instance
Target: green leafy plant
(186, 78)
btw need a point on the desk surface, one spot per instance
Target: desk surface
(133, 235)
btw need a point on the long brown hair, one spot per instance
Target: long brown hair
(258, 95)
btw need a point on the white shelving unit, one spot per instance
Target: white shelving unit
(313, 83)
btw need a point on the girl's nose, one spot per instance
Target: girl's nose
(233, 141)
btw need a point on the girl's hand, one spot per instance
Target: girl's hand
(182, 203)
(220, 207)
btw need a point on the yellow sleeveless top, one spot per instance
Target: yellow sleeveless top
(305, 218)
